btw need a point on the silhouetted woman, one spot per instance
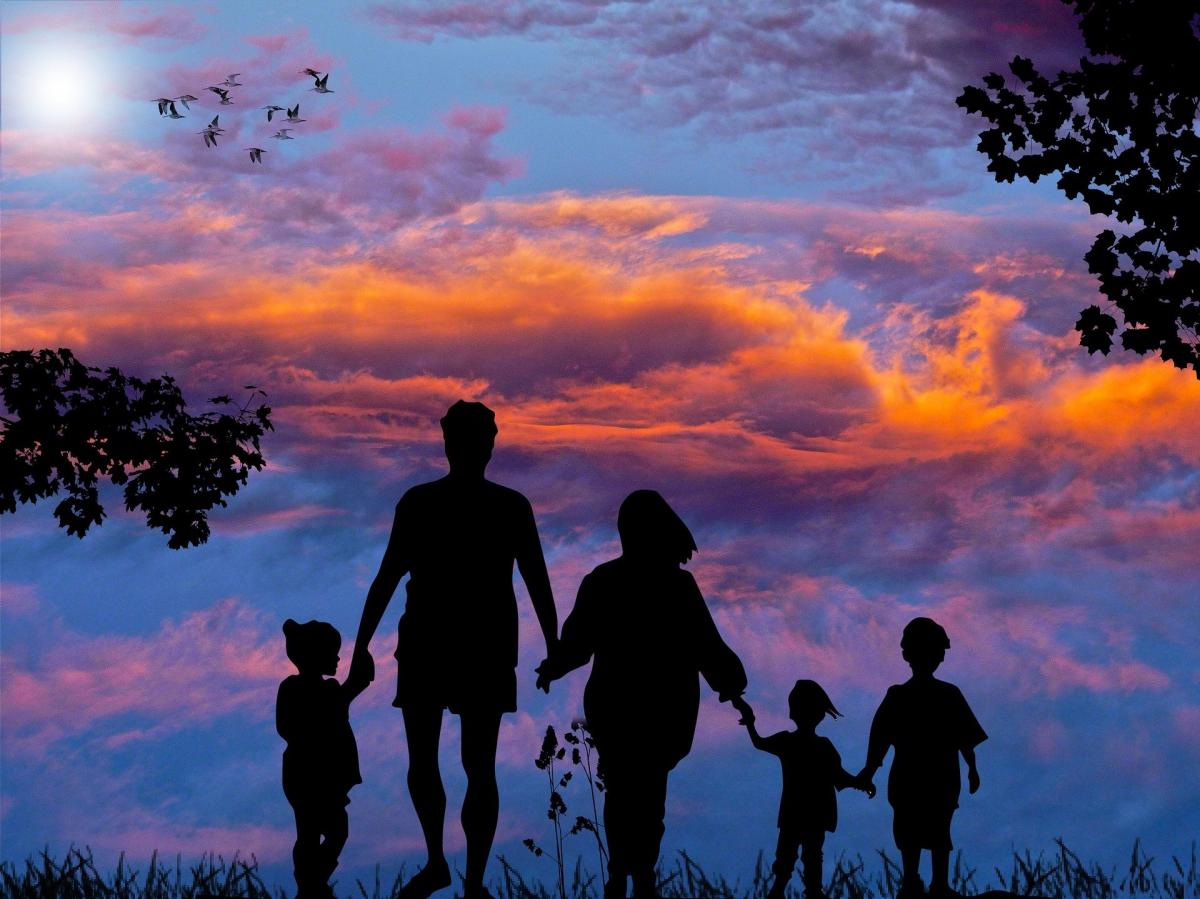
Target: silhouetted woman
(641, 619)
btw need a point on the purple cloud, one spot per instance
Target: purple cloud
(860, 95)
(132, 22)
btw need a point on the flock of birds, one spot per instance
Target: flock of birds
(168, 109)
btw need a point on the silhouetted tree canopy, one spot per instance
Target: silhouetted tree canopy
(72, 424)
(1120, 132)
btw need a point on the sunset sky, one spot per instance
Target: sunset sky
(742, 253)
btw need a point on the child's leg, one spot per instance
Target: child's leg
(939, 837)
(336, 827)
(906, 832)
(786, 851)
(811, 855)
(910, 860)
(306, 852)
(939, 882)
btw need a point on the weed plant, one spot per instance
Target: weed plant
(1059, 874)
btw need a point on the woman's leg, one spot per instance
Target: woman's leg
(649, 813)
(616, 825)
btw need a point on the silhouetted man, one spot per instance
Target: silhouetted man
(457, 649)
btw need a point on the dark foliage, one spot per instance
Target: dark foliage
(1120, 132)
(72, 424)
(1061, 874)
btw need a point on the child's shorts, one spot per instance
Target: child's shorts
(922, 826)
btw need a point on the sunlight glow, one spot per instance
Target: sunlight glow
(62, 85)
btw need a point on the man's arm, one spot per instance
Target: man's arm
(391, 569)
(532, 565)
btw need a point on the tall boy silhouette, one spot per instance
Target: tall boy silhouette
(929, 724)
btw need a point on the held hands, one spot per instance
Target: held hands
(863, 781)
(972, 779)
(744, 709)
(547, 672)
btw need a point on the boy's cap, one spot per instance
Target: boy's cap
(924, 633)
(304, 641)
(469, 419)
(808, 694)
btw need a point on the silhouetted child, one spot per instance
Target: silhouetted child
(929, 724)
(812, 775)
(320, 764)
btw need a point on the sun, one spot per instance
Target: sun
(61, 89)
(60, 85)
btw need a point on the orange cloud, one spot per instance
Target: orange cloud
(594, 332)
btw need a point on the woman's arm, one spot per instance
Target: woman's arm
(719, 664)
(578, 641)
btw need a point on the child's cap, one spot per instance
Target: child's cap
(808, 694)
(305, 642)
(924, 633)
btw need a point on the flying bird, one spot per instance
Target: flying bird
(255, 153)
(312, 73)
(185, 99)
(222, 93)
(163, 103)
(271, 110)
(282, 134)
(321, 88)
(232, 81)
(293, 115)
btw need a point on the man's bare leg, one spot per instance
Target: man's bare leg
(423, 730)
(481, 805)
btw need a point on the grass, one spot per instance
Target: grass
(1060, 874)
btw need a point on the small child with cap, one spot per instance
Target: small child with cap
(929, 724)
(812, 775)
(320, 764)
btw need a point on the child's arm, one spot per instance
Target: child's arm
(287, 712)
(968, 754)
(878, 744)
(970, 734)
(855, 781)
(843, 778)
(747, 719)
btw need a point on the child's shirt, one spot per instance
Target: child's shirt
(929, 723)
(812, 775)
(313, 716)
